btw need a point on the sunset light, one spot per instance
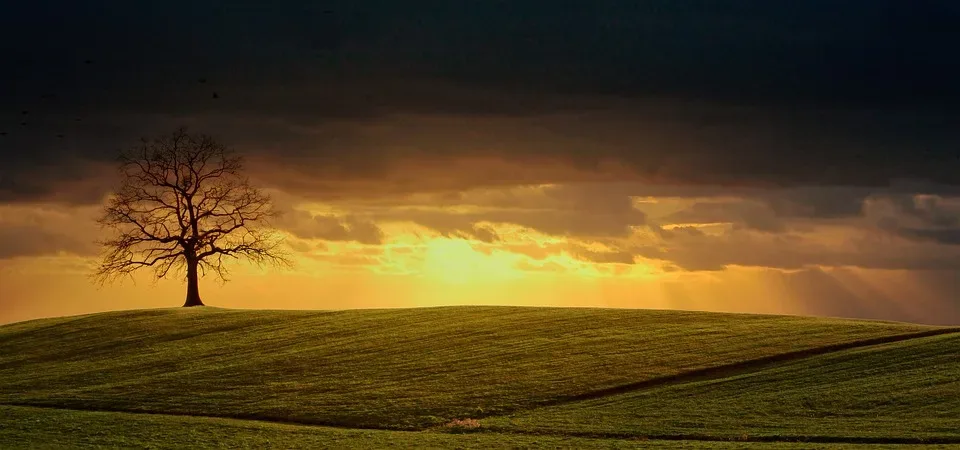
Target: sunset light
(729, 224)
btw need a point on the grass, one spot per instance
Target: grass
(568, 378)
(398, 369)
(32, 428)
(907, 391)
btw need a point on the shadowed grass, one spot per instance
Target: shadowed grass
(400, 369)
(31, 428)
(905, 391)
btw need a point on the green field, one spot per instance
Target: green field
(535, 376)
(31, 428)
(906, 390)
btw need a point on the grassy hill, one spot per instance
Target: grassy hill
(410, 369)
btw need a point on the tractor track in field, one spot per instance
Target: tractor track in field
(740, 368)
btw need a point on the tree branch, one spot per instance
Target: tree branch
(183, 200)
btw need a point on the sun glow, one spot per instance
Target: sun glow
(454, 261)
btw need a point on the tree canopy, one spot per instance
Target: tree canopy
(184, 207)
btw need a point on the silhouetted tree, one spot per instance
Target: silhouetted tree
(184, 207)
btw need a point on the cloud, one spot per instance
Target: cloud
(607, 223)
(549, 266)
(533, 250)
(564, 213)
(330, 227)
(484, 234)
(826, 202)
(25, 241)
(603, 257)
(825, 246)
(927, 218)
(750, 214)
(950, 236)
(43, 230)
(376, 98)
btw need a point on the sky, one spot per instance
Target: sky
(746, 156)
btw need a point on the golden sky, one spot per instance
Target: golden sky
(577, 244)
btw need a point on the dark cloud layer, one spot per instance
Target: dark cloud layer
(722, 92)
(927, 218)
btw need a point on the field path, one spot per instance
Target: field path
(753, 365)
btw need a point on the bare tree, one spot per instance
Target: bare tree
(184, 208)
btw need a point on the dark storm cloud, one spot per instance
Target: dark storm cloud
(724, 92)
(923, 218)
(949, 236)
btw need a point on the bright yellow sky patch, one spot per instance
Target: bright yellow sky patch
(454, 261)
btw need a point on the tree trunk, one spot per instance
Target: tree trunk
(193, 285)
